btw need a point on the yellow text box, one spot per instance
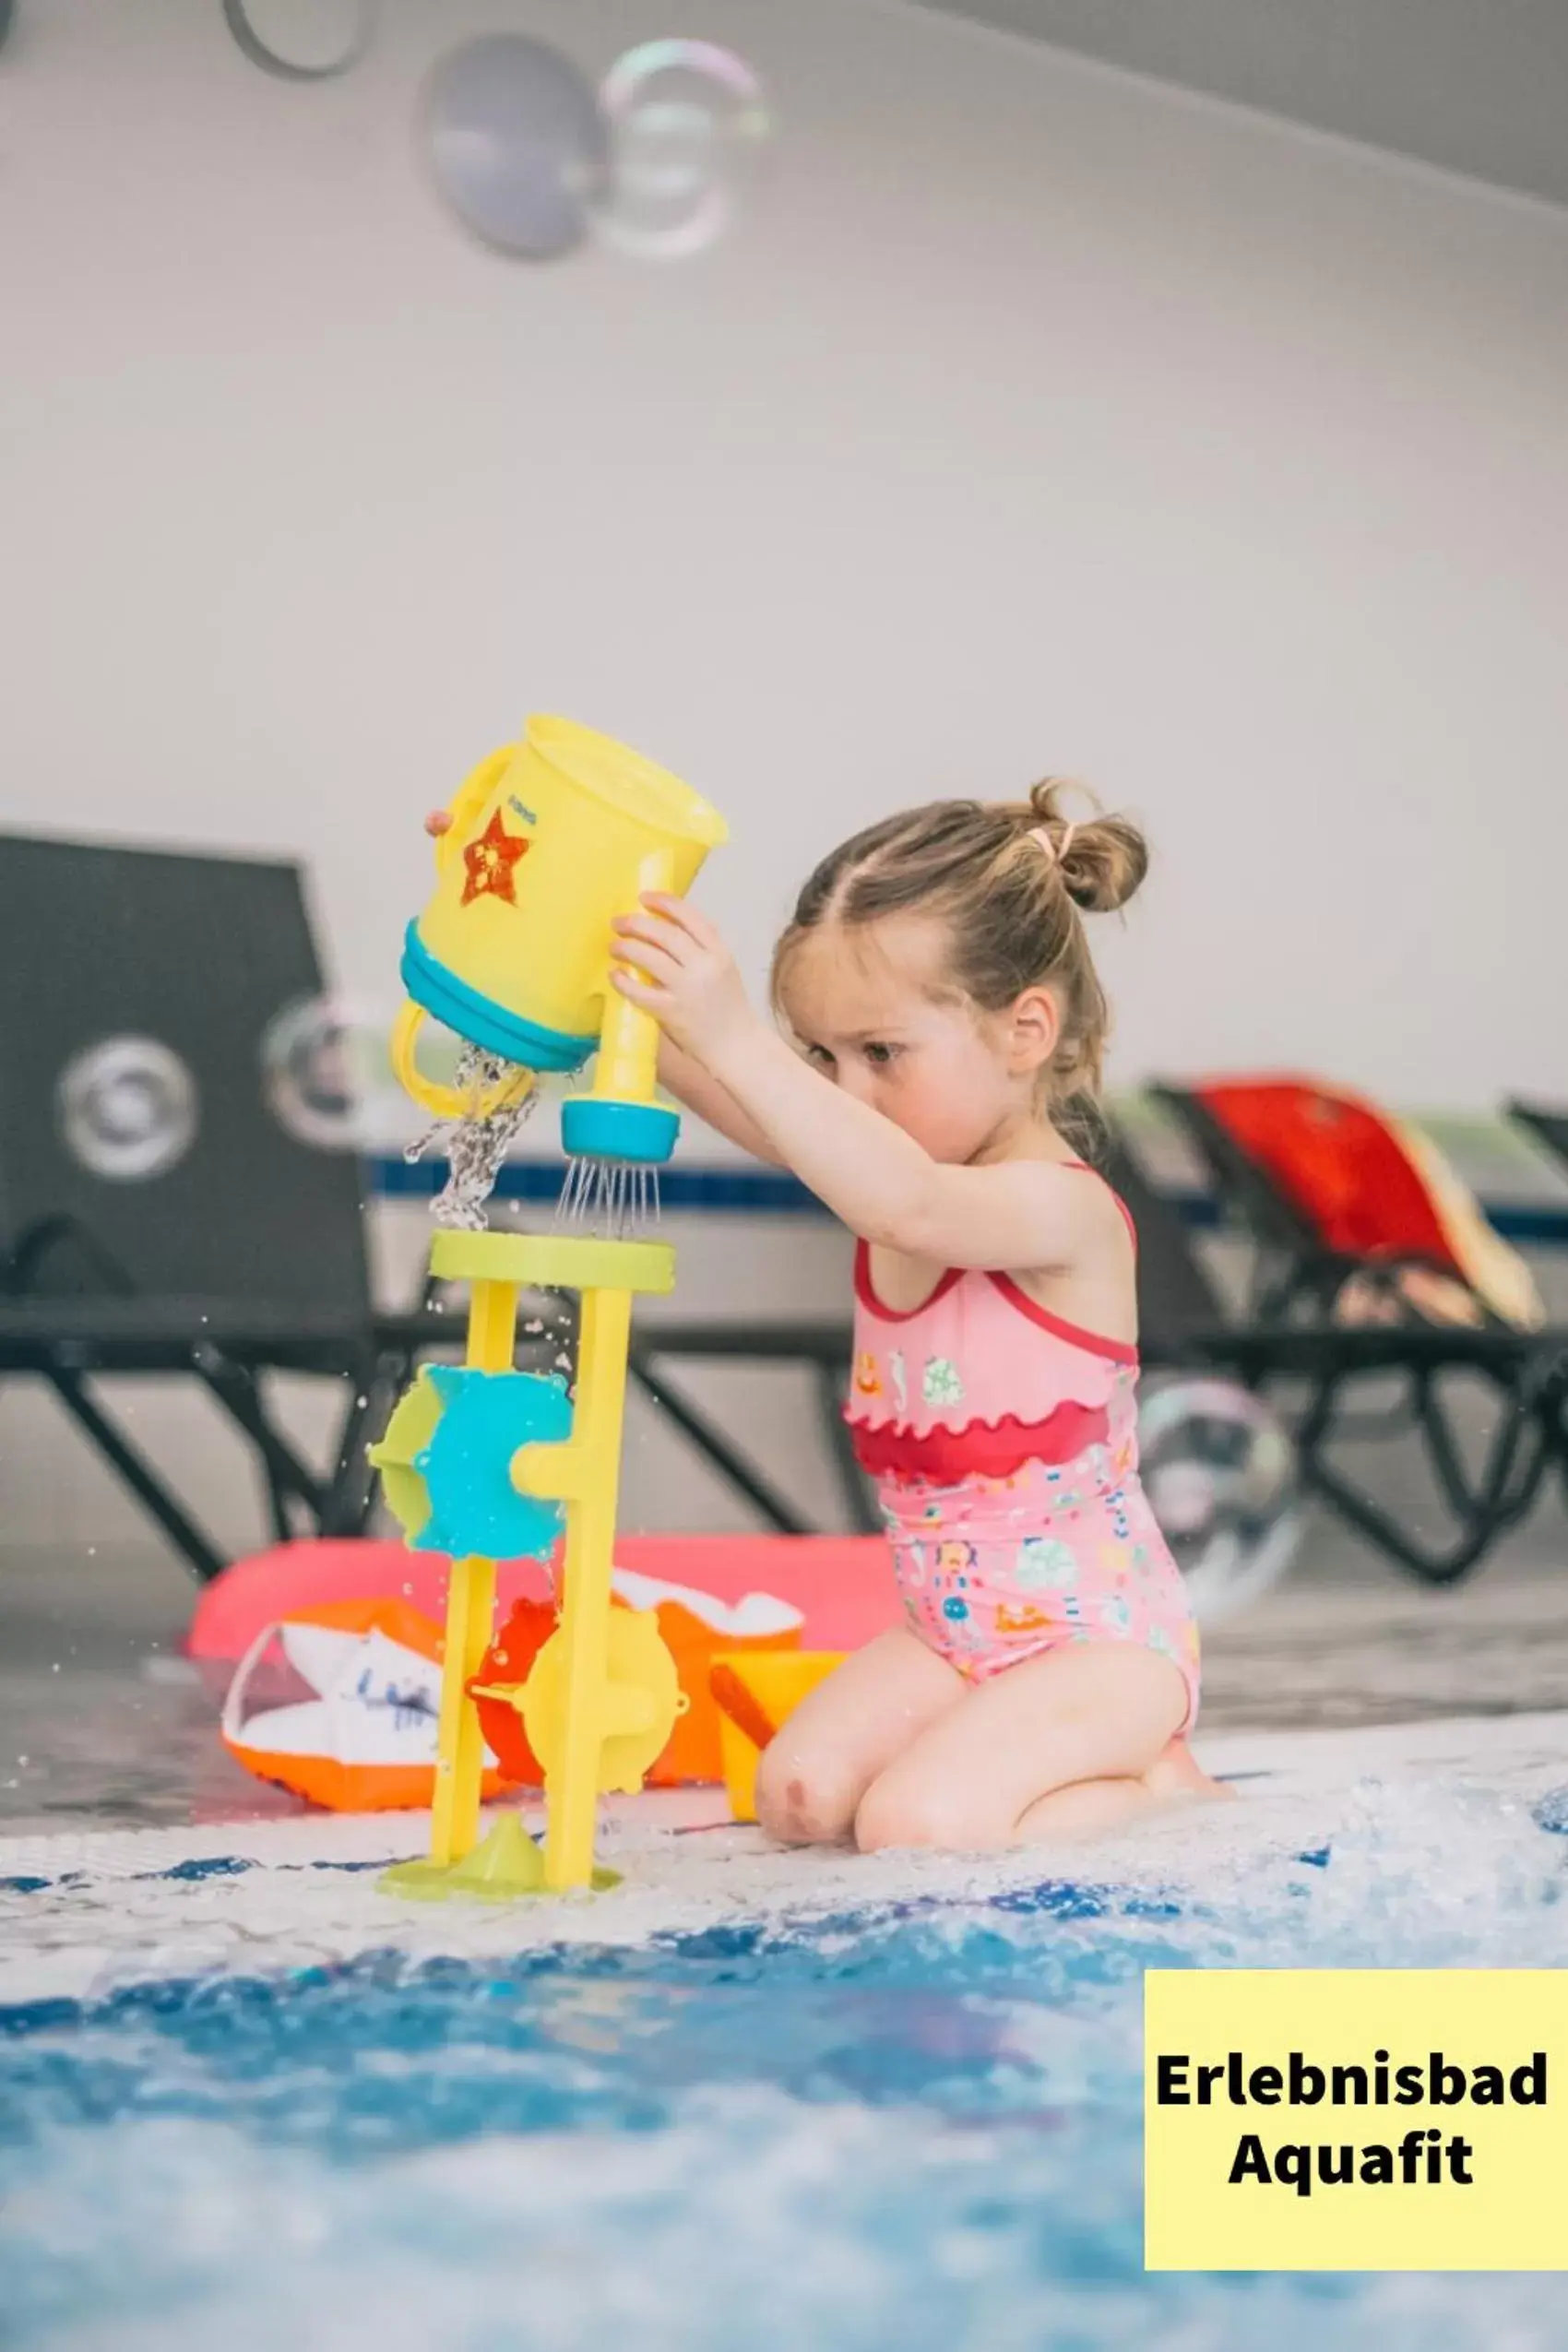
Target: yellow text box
(1457, 2154)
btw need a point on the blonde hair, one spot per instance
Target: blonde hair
(1012, 880)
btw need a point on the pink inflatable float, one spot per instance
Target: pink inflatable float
(842, 1585)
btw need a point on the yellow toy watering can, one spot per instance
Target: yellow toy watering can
(550, 839)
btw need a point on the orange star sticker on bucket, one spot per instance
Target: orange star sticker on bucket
(489, 860)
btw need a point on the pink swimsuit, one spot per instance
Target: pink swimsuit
(1005, 1443)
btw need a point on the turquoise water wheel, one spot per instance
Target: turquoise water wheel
(446, 1462)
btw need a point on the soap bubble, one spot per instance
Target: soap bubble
(127, 1109)
(1220, 1475)
(301, 40)
(688, 125)
(518, 144)
(308, 1075)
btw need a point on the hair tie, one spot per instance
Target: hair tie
(1055, 851)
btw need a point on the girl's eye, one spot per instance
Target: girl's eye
(880, 1056)
(819, 1057)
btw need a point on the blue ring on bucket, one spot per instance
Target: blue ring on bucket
(639, 1133)
(483, 1022)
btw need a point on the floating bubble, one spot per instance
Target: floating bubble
(127, 1109)
(1220, 1475)
(308, 1074)
(518, 144)
(688, 128)
(301, 40)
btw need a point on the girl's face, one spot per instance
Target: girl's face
(870, 1007)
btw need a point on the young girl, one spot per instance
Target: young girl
(937, 983)
(945, 1016)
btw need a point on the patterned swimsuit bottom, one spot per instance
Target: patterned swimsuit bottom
(993, 1571)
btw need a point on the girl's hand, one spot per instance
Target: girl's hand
(439, 821)
(670, 961)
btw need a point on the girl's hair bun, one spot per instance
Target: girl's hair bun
(1103, 859)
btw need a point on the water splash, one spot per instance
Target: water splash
(615, 1198)
(499, 1096)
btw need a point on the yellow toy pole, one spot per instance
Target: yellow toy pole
(627, 1067)
(628, 1053)
(591, 1715)
(585, 1605)
(471, 1607)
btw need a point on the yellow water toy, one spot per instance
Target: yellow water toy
(550, 839)
(486, 1462)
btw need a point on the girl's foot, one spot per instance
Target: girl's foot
(1176, 1777)
(1096, 1808)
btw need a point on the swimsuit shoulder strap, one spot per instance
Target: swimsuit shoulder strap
(1085, 1168)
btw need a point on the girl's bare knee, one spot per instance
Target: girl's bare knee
(801, 1801)
(891, 1814)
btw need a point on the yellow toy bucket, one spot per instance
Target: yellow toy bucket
(551, 839)
(755, 1694)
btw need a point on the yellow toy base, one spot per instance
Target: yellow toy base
(502, 1869)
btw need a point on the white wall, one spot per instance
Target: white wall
(1039, 419)
(1042, 418)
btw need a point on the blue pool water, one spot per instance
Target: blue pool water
(917, 2127)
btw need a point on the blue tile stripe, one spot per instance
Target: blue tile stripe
(770, 1192)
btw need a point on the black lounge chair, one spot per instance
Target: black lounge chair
(1549, 1127)
(157, 1216)
(1299, 1286)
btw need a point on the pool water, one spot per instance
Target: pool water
(919, 2127)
